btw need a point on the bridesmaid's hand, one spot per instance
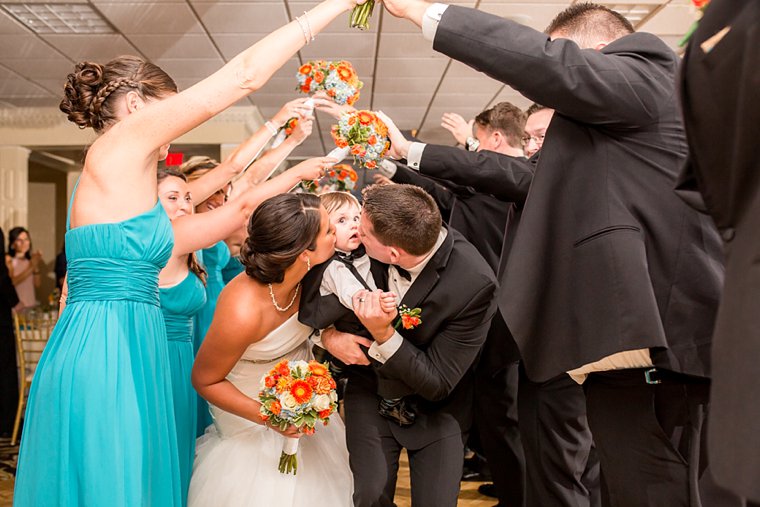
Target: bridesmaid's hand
(313, 168)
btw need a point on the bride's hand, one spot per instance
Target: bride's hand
(290, 432)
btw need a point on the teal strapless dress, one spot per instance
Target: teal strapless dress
(179, 304)
(214, 259)
(99, 428)
(233, 268)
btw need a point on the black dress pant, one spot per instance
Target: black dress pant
(562, 467)
(8, 379)
(650, 435)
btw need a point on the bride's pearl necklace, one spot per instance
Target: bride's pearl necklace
(274, 301)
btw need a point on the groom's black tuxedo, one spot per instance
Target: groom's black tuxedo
(456, 293)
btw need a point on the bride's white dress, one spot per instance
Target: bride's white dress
(236, 460)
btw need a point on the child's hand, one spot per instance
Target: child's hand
(388, 303)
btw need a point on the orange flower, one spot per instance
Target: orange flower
(332, 93)
(275, 407)
(358, 149)
(325, 413)
(333, 385)
(264, 417)
(283, 384)
(352, 174)
(370, 164)
(341, 175)
(699, 4)
(352, 99)
(317, 368)
(270, 381)
(319, 76)
(305, 69)
(365, 117)
(306, 430)
(283, 368)
(301, 391)
(288, 131)
(340, 143)
(345, 73)
(372, 139)
(352, 120)
(410, 322)
(321, 385)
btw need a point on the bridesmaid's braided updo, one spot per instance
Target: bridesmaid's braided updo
(92, 90)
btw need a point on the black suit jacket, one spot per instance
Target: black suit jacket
(606, 258)
(455, 292)
(721, 103)
(8, 296)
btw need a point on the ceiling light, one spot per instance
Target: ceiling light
(635, 13)
(58, 18)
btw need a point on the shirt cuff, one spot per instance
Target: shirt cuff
(381, 352)
(431, 19)
(387, 168)
(414, 157)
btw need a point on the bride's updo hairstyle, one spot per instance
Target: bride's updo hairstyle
(92, 90)
(280, 229)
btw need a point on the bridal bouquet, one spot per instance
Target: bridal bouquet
(365, 135)
(299, 393)
(340, 178)
(338, 79)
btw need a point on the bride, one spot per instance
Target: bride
(255, 326)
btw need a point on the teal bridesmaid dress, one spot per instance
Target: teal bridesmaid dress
(99, 428)
(233, 268)
(179, 304)
(214, 259)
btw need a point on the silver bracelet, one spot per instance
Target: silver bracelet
(271, 127)
(308, 25)
(307, 37)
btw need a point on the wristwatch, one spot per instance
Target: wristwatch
(472, 144)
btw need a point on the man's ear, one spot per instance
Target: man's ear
(600, 45)
(395, 254)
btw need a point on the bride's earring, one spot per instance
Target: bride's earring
(308, 264)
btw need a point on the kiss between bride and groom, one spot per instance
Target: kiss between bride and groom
(412, 255)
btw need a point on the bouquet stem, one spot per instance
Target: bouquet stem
(289, 458)
(361, 14)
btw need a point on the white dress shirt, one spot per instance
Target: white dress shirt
(338, 279)
(400, 285)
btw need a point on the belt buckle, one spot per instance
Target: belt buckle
(648, 376)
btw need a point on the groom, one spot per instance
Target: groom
(437, 270)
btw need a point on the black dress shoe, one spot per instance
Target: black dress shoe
(398, 411)
(488, 490)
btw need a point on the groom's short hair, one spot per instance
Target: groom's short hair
(403, 216)
(586, 22)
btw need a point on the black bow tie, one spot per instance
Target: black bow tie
(403, 273)
(351, 257)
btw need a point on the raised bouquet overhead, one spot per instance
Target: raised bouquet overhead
(297, 393)
(339, 178)
(338, 79)
(364, 135)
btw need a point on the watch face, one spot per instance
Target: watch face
(472, 144)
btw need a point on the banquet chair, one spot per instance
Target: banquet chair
(32, 332)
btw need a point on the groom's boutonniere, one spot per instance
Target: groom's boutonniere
(408, 318)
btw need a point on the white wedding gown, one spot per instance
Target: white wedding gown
(236, 460)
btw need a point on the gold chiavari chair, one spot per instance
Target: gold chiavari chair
(32, 332)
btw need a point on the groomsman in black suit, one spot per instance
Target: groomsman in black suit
(611, 277)
(720, 79)
(482, 219)
(8, 371)
(435, 269)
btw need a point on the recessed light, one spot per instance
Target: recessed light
(58, 18)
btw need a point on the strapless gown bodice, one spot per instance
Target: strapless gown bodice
(179, 305)
(119, 261)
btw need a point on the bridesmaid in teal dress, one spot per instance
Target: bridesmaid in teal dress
(99, 426)
(181, 284)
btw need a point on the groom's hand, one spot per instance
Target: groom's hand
(413, 10)
(369, 308)
(345, 346)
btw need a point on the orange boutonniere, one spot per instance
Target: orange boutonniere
(408, 318)
(700, 5)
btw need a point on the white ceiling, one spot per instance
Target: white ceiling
(190, 39)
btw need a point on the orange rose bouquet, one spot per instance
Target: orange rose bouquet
(297, 393)
(365, 135)
(338, 79)
(339, 178)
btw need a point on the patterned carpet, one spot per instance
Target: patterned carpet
(468, 497)
(8, 456)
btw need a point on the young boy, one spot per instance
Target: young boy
(346, 273)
